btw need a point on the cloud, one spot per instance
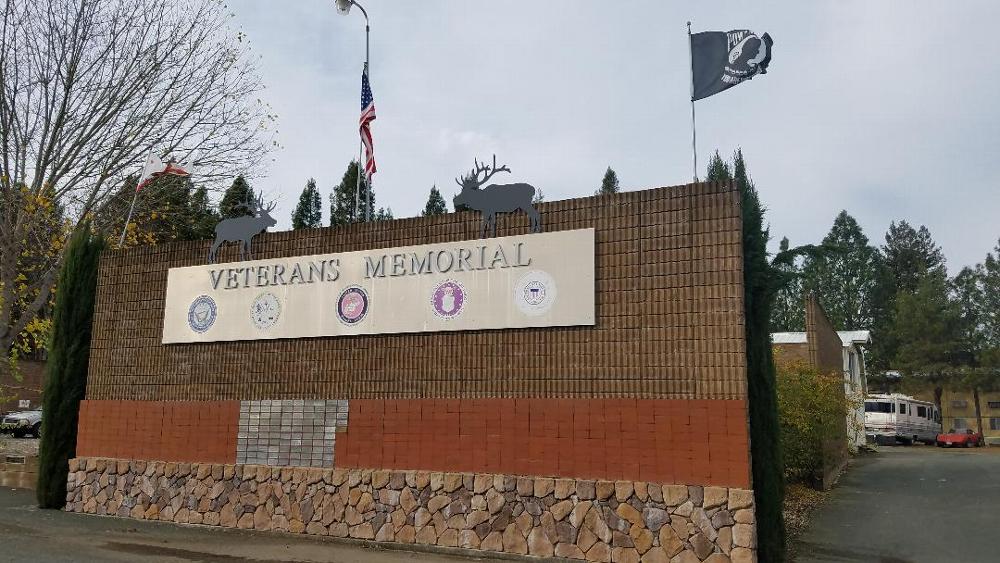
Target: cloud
(885, 109)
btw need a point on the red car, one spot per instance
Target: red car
(968, 439)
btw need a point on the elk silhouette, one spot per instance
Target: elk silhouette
(243, 229)
(495, 198)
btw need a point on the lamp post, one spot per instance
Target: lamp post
(344, 8)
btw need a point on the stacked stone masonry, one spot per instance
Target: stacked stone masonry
(570, 518)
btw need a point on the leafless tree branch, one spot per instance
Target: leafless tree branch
(88, 88)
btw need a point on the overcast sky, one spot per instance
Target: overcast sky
(890, 110)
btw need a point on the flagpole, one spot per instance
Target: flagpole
(361, 144)
(121, 241)
(694, 133)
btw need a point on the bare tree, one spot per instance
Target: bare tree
(87, 89)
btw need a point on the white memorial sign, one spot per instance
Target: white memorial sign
(537, 280)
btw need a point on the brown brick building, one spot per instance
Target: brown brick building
(624, 439)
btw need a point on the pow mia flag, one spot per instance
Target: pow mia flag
(723, 59)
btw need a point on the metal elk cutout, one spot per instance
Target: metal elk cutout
(495, 198)
(243, 229)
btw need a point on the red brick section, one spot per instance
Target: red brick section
(658, 440)
(202, 431)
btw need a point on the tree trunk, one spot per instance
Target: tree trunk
(979, 412)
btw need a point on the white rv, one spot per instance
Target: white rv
(895, 417)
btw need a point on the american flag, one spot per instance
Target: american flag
(367, 116)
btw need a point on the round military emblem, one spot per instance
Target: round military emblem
(202, 313)
(352, 306)
(265, 310)
(448, 299)
(535, 293)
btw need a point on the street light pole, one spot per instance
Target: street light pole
(344, 7)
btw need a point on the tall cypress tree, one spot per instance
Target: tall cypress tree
(435, 203)
(759, 286)
(235, 197)
(758, 294)
(308, 213)
(66, 370)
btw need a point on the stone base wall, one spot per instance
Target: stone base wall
(571, 518)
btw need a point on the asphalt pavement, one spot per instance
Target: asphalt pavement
(30, 534)
(916, 504)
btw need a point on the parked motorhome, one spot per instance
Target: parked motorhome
(900, 418)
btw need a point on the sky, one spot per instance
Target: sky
(890, 110)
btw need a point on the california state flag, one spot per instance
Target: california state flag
(155, 168)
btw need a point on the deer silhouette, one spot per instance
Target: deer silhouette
(243, 229)
(495, 198)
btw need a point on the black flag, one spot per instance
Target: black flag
(723, 59)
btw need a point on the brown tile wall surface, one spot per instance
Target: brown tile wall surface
(202, 431)
(669, 317)
(703, 442)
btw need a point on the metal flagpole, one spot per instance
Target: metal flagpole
(131, 208)
(135, 195)
(361, 148)
(694, 134)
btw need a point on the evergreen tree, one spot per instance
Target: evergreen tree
(435, 203)
(308, 213)
(907, 257)
(66, 370)
(759, 281)
(342, 203)
(718, 169)
(235, 198)
(928, 331)
(845, 275)
(168, 208)
(788, 313)
(977, 293)
(204, 218)
(609, 184)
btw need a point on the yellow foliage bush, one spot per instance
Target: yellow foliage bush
(812, 411)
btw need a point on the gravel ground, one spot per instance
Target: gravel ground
(18, 446)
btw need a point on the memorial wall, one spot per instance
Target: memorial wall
(579, 392)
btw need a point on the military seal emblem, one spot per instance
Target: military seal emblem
(448, 299)
(265, 310)
(352, 306)
(202, 313)
(535, 293)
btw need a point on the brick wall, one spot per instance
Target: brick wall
(668, 317)
(652, 398)
(663, 441)
(826, 349)
(162, 430)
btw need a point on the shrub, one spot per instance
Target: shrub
(812, 409)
